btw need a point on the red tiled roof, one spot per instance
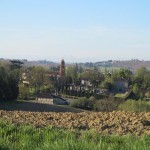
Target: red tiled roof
(53, 74)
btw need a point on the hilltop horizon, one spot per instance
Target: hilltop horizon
(57, 61)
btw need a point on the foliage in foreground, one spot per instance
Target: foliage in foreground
(23, 137)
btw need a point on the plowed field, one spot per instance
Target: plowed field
(116, 122)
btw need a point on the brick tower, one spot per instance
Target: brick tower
(62, 68)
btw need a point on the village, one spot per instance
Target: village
(57, 85)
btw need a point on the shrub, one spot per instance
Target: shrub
(100, 96)
(137, 106)
(106, 105)
(92, 98)
(83, 103)
(23, 92)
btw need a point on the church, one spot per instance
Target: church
(53, 98)
(61, 72)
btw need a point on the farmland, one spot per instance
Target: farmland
(21, 130)
(116, 122)
(31, 125)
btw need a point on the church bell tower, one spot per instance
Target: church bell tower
(62, 68)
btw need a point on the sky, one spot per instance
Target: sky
(76, 30)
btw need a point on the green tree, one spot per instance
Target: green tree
(71, 72)
(142, 78)
(136, 89)
(8, 85)
(94, 76)
(23, 92)
(16, 64)
(123, 73)
(37, 77)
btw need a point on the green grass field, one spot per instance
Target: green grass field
(21, 137)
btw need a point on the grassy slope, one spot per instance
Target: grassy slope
(35, 106)
(13, 137)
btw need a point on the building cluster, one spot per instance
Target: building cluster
(85, 86)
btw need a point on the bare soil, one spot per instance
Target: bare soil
(116, 122)
(41, 115)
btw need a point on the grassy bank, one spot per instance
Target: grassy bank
(110, 104)
(136, 106)
(21, 137)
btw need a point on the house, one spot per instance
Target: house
(86, 82)
(101, 91)
(51, 99)
(45, 98)
(24, 78)
(121, 85)
(53, 74)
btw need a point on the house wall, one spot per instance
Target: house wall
(45, 100)
(56, 101)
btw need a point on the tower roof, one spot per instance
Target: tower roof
(62, 60)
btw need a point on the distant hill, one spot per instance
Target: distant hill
(132, 65)
(129, 64)
(41, 63)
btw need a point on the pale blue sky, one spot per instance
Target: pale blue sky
(76, 30)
